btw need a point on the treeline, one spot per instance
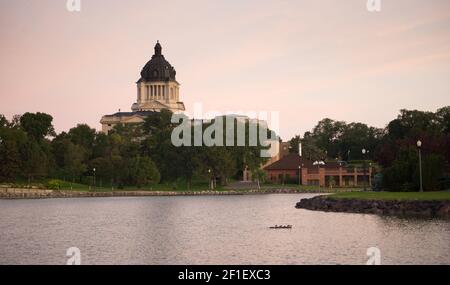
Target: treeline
(394, 148)
(130, 155)
(142, 155)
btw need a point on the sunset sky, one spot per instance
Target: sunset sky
(307, 59)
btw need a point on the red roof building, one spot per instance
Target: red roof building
(293, 168)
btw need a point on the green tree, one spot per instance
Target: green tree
(3, 121)
(443, 118)
(403, 175)
(294, 144)
(259, 176)
(35, 160)
(38, 125)
(74, 164)
(12, 140)
(144, 171)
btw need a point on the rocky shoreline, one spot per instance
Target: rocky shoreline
(16, 193)
(410, 208)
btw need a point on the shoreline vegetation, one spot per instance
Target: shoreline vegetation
(409, 204)
(36, 193)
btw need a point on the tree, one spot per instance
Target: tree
(354, 138)
(83, 136)
(411, 124)
(189, 162)
(310, 148)
(259, 176)
(12, 140)
(144, 171)
(74, 164)
(443, 119)
(326, 134)
(403, 175)
(294, 144)
(38, 125)
(3, 121)
(34, 159)
(10, 161)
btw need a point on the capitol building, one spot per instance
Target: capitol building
(157, 89)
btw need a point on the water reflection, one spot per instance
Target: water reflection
(210, 230)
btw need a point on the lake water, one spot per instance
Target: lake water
(209, 230)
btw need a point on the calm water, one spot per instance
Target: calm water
(209, 230)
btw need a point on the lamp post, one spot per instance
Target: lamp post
(94, 177)
(299, 175)
(419, 146)
(210, 180)
(364, 152)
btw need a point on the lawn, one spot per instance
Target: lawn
(306, 188)
(424, 196)
(67, 186)
(174, 186)
(181, 186)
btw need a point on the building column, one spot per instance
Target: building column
(322, 177)
(167, 88)
(139, 93)
(355, 177)
(304, 176)
(341, 182)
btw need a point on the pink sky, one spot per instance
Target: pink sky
(307, 59)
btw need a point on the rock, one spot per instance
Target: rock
(396, 208)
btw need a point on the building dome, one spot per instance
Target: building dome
(158, 68)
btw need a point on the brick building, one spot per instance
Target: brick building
(327, 174)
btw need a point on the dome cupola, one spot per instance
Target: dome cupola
(158, 68)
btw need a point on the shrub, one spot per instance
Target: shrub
(54, 184)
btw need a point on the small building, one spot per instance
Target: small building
(296, 169)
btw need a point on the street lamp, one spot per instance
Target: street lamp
(210, 180)
(364, 152)
(419, 146)
(94, 178)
